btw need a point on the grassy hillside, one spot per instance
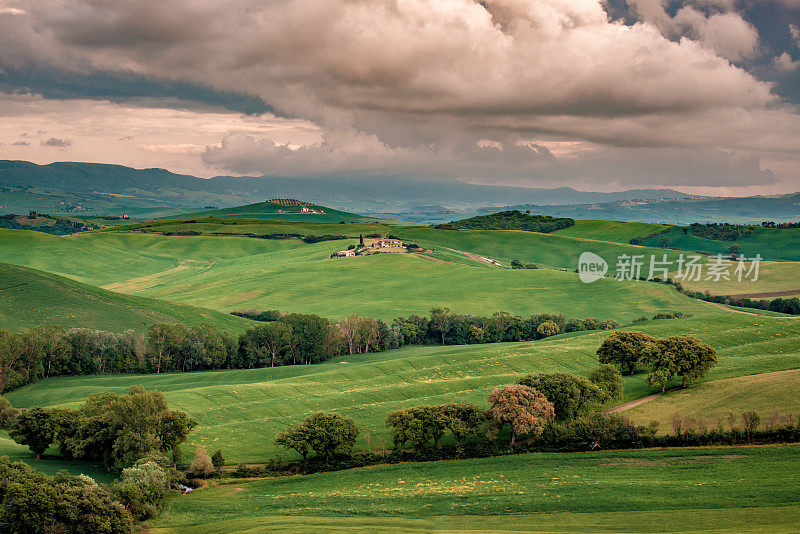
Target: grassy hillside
(767, 394)
(772, 243)
(609, 492)
(615, 231)
(776, 279)
(29, 298)
(241, 411)
(226, 273)
(271, 210)
(550, 250)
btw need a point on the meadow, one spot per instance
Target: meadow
(226, 273)
(29, 298)
(772, 243)
(725, 489)
(241, 411)
(771, 395)
(270, 210)
(614, 231)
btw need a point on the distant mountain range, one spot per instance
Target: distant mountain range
(93, 189)
(113, 187)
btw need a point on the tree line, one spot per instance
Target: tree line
(283, 339)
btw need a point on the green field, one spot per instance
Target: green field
(724, 490)
(772, 243)
(615, 231)
(241, 411)
(270, 210)
(29, 298)
(767, 394)
(227, 273)
(782, 278)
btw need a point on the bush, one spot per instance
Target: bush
(202, 466)
(142, 488)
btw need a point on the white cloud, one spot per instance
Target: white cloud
(785, 63)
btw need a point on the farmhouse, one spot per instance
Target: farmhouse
(346, 254)
(388, 242)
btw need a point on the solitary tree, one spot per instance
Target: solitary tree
(692, 357)
(625, 349)
(326, 433)
(735, 249)
(202, 466)
(218, 460)
(35, 428)
(526, 410)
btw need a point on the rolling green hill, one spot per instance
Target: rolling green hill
(614, 231)
(241, 411)
(772, 243)
(29, 298)
(621, 491)
(272, 210)
(227, 273)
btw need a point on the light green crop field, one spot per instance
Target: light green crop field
(209, 226)
(772, 243)
(228, 273)
(690, 490)
(775, 279)
(616, 231)
(549, 250)
(29, 298)
(767, 394)
(241, 411)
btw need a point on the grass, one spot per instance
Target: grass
(269, 210)
(780, 277)
(241, 411)
(725, 490)
(767, 394)
(615, 231)
(772, 243)
(29, 298)
(545, 250)
(228, 273)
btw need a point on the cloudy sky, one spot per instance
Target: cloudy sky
(700, 95)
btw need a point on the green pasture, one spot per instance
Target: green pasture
(240, 411)
(228, 273)
(614, 231)
(270, 210)
(690, 490)
(29, 298)
(772, 395)
(772, 243)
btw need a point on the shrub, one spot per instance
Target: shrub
(202, 466)
(142, 488)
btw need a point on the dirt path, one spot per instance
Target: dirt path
(632, 404)
(723, 307)
(438, 260)
(476, 257)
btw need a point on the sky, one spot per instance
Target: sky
(697, 95)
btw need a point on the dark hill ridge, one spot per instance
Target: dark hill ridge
(163, 188)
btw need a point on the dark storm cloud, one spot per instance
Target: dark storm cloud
(57, 142)
(417, 86)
